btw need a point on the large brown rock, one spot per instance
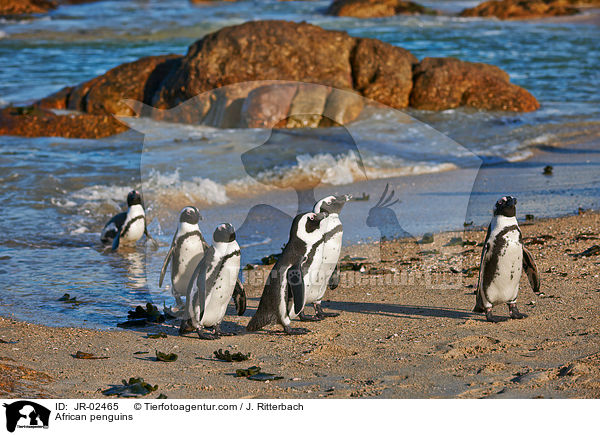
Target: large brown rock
(26, 7)
(383, 72)
(37, 122)
(137, 80)
(267, 105)
(261, 50)
(522, 9)
(240, 76)
(376, 8)
(446, 83)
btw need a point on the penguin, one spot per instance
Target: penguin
(213, 283)
(503, 259)
(187, 249)
(127, 228)
(283, 297)
(327, 271)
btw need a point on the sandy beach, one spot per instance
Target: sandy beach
(406, 330)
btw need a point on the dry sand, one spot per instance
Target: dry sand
(406, 330)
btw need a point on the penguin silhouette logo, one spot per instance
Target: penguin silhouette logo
(384, 217)
(26, 414)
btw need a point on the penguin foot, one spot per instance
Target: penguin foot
(186, 327)
(220, 333)
(306, 318)
(295, 331)
(514, 313)
(322, 313)
(490, 317)
(208, 336)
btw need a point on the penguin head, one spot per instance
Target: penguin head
(224, 233)
(331, 204)
(134, 198)
(190, 215)
(506, 206)
(309, 223)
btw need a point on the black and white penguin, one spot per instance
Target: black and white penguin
(502, 261)
(327, 274)
(187, 249)
(128, 227)
(213, 283)
(284, 295)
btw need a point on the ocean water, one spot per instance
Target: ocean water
(57, 193)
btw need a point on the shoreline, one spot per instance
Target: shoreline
(406, 330)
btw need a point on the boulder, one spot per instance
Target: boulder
(240, 76)
(267, 105)
(447, 83)
(261, 50)
(37, 122)
(522, 9)
(377, 8)
(382, 72)
(136, 80)
(26, 7)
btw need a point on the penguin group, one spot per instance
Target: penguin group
(207, 276)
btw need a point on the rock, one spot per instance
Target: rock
(240, 76)
(26, 7)
(383, 72)
(136, 80)
(522, 9)
(446, 83)
(376, 8)
(307, 106)
(261, 50)
(341, 107)
(58, 100)
(38, 122)
(268, 105)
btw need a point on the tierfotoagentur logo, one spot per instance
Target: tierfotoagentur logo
(25, 414)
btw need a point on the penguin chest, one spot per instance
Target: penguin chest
(188, 256)
(313, 276)
(133, 231)
(331, 255)
(506, 264)
(221, 282)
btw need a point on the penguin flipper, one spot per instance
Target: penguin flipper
(112, 228)
(334, 280)
(479, 308)
(115, 244)
(239, 297)
(163, 271)
(531, 269)
(296, 287)
(196, 294)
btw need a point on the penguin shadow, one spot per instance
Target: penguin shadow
(401, 311)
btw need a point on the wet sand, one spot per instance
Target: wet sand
(406, 330)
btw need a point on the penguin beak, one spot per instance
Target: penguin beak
(341, 199)
(320, 216)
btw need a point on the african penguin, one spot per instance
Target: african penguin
(283, 297)
(187, 249)
(327, 273)
(502, 261)
(213, 283)
(128, 227)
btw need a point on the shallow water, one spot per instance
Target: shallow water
(57, 193)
